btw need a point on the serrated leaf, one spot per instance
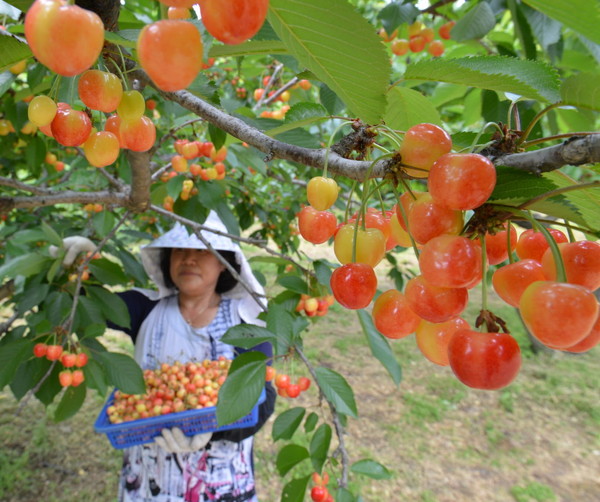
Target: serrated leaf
(122, 372)
(337, 390)
(293, 283)
(370, 468)
(475, 24)
(251, 48)
(289, 456)
(242, 387)
(107, 272)
(407, 107)
(380, 347)
(395, 14)
(582, 16)
(103, 222)
(287, 423)
(51, 234)
(332, 40)
(32, 297)
(530, 79)
(319, 446)
(95, 377)
(70, 403)
(581, 90)
(300, 115)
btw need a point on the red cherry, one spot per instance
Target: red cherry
(589, 342)
(487, 361)
(293, 390)
(581, 260)
(68, 359)
(81, 360)
(71, 127)
(39, 349)
(78, 378)
(65, 378)
(354, 285)
(433, 338)
(54, 352)
(393, 316)
(304, 383)
(423, 143)
(318, 493)
(512, 279)
(435, 303)
(533, 244)
(316, 226)
(235, 21)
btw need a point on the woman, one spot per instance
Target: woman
(197, 301)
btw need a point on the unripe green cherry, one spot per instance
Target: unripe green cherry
(132, 106)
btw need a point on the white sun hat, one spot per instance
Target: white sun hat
(249, 305)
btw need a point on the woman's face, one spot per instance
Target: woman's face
(194, 271)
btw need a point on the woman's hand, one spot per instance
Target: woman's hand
(175, 441)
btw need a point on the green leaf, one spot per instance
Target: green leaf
(12, 50)
(380, 347)
(287, 423)
(323, 271)
(28, 374)
(581, 90)
(117, 39)
(530, 79)
(337, 390)
(582, 16)
(407, 107)
(95, 377)
(319, 446)
(280, 321)
(122, 372)
(103, 222)
(248, 49)
(332, 40)
(107, 272)
(370, 468)
(293, 283)
(289, 456)
(394, 14)
(515, 187)
(113, 307)
(22, 5)
(70, 403)
(300, 115)
(12, 354)
(522, 30)
(311, 422)
(51, 234)
(475, 24)
(294, 490)
(247, 336)
(35, 152)
(32, 297)
(242, 387)
(217, 136)
(26, 265)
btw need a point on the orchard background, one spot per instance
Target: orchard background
(514, 82)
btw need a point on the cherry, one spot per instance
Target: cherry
(270, 373)
(496, 245)
(78, 378)
(178, 13)
(423, 144)
(132, 106)
(101, 148)
(417, 43)
(65, 378)
(392, 315)
(113, 125)
(282, 380)
(65, 38)
(558, 314)
(427, 219)
(170, 51)
(436, 48)
(435, 303)
(293, 390)
(433, 338)
(68, 359)
(399, 47)
(100, 90)
(71, 127)
(54, 352)
(81, 359)
(512, 279)
(487, 361)
(532, 244)
(444, 30)
(451, 261)
(40, 349)
(304, 383)
(370, 244)
(235, 21)
(319, 493)
(217, 155)
(354, 285)
(321, 192)
(138, 135)
(461, 181)
(41, 110)
(590, 341)
(581, 260)
(316, 226)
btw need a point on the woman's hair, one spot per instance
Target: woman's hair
(226, 281)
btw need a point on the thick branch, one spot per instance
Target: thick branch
(67, 197)
(141, 179)
(575, 152)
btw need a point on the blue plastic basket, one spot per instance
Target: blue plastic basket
(191, 422)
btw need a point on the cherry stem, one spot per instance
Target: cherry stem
(405, 217)
(558, 191)
(511, 258)
(352, 190)
(480, 133)
(570, 233)
(561, 274)
(484, 267)
(534, 121)
(391, 135)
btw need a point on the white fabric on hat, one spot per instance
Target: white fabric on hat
(179, 237)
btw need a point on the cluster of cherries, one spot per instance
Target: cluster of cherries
(319, 492)
(283, 97)
(212, 166)
(284, 385)
(315, 305)
(420, 37)
(68, 377)
(451, 264)
(172, 388)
